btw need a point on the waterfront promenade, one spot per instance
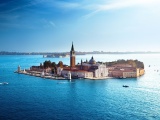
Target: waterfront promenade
(53, 77)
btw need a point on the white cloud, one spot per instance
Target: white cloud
(10, 17)
(15, 25)
(127, 3)
(68, 5)
(62, 4)
(29, 4)
(47, 23)
(52, 24)
(118, 4)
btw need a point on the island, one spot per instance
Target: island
(86, 69)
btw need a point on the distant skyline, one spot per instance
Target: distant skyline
(92, 25)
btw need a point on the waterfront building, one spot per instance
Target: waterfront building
(39, 69)
(126, 72)
(122, 65)
(141, 71)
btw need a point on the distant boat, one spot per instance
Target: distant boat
(4, 83)
(125, 86)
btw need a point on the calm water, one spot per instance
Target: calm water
(33, 98)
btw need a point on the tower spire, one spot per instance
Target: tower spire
(72, 57)
(72, 48)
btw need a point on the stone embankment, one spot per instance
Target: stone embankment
(38, 74)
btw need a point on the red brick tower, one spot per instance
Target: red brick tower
(72, 57)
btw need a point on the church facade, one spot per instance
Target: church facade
(86, 69)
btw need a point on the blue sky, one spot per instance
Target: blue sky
(93, 25)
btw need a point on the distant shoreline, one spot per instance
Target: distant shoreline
(77, 53)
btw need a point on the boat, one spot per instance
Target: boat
(4, 83)
(125, 86)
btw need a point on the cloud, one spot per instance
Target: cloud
(62, 4)
(118, 4)
(9, 17)
(68, 5)
(47, 23)
(15, 25)
(15, 5)
(19, 6)
(52, 24)
(126, 3)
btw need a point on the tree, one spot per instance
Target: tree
(47, 64)
(60, 64)
(41, 66)
(54, 67)
(53, 64)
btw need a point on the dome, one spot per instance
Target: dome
(92, 61)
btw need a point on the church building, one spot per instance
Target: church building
(86, 69)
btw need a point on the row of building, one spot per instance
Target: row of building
(124, 71)
(93, 69)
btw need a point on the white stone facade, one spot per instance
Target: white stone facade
(59, 70)
(99, 71)
(79, 74)
(102, 71)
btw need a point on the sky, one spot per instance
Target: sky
(92, 25)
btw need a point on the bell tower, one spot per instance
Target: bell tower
(72, 57)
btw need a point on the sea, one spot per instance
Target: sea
(34, 98)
